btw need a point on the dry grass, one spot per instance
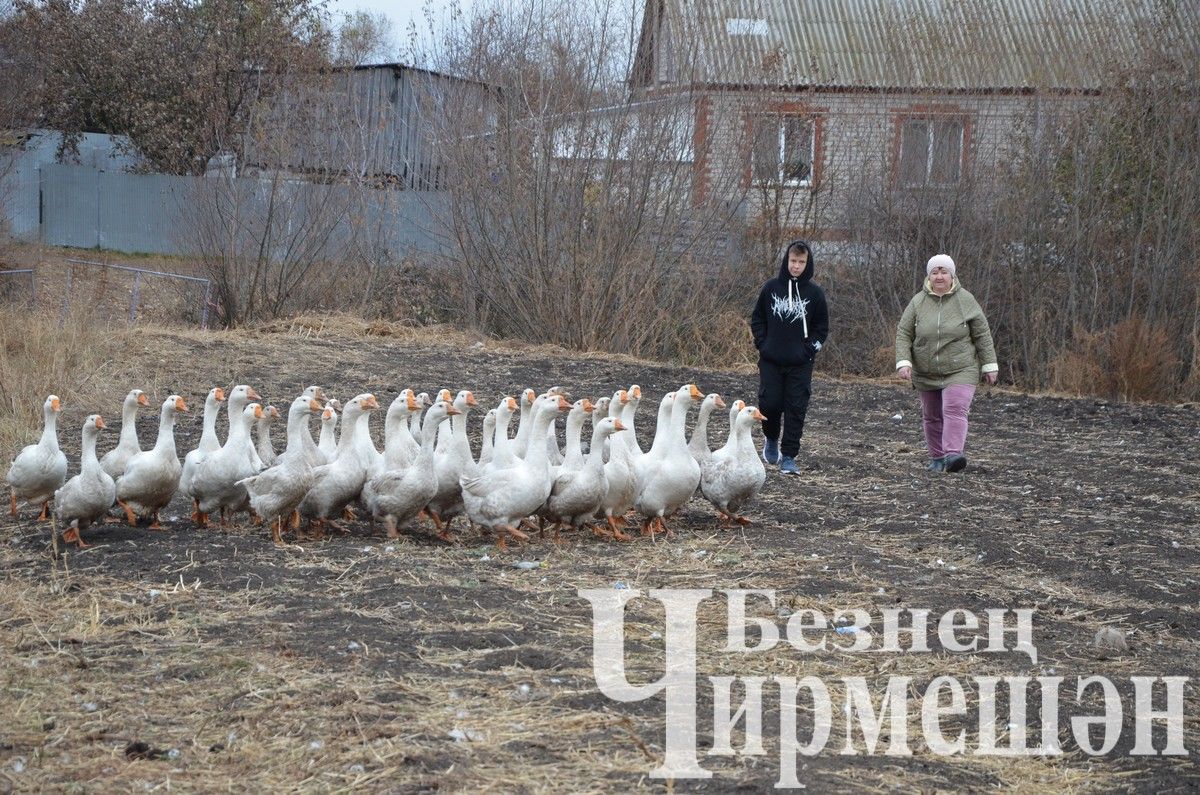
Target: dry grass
(77, 360)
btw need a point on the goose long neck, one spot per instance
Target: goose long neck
(297, 429)
(700, 432)
(535, 455)
(88, 463)
(679, 412)
(595, 457)
(209, 432)
(627, 420)
(129, 422)
(166, 431)
(50, 428)
(575, 435)
(239, 430)
(349, 421)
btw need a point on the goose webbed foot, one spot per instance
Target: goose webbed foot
(42, 517)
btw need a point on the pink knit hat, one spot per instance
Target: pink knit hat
(940, 261)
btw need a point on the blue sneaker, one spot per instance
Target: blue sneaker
(788, 466)
(771, 451)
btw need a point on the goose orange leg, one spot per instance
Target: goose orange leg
(155, 525)
(72, 536)
(45, 514)
(130, 516)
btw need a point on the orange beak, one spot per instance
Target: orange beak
(142, 400)
(529, 395)
(624, 397)
(327, 414)
(445, 395)
(180, 405)
(314, 406)
(100, 423)
(250, 393)
(370, 402)
(471, 399)
(563, 405)
(636, 392)
(219, 394)
(512, 404)
(56, 405)
(720, 402)
(758, 415)
(451, 411)
(274, 412)
(588, 405)
(739, 404)
(695, 392)
(413, 405)
(258, 412)
(319, 393)
(618, 425)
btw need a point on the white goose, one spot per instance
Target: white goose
(152, 476)
(502, 446)
(114, 460)
(401, 494)
(399, 446)
(327, 441)
(217, 482)
(498, 499)
(86, 497)
(488, 438)
(39, 469)
(275, 493)
(264, 448)
(667, 476)
(698, 445)
(414, 422)
(450, 463)
(618, 471)
(520, 442)
(208, 444)
(338, 483)
(735, 474)
(577, 493)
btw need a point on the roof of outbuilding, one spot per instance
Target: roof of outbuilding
(945, 44)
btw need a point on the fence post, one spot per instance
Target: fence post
(134, 297)
(66, 303)
(204, 308)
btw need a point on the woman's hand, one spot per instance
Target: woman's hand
(991, 378)
(905, 373)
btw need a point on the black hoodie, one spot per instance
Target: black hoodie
(790, 320)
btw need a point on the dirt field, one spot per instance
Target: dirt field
(215, 661)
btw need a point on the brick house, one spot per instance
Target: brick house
(817, 109)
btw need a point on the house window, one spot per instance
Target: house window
(930, 152)
(784, 150)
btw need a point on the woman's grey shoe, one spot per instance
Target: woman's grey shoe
(788, 466)
(955, 462)
(936, 465)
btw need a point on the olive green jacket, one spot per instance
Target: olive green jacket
(944, 339)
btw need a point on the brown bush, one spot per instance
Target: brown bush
(1132, 360)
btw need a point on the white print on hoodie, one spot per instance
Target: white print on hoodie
(792, 308)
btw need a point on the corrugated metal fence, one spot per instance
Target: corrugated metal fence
(88, 207)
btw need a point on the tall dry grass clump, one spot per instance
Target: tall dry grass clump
(41, 357)
(1131, 360)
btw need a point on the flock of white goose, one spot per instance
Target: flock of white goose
(427, 469)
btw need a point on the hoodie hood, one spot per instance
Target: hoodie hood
(783, 263)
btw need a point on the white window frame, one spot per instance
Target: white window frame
(779, 120)
(930, 146)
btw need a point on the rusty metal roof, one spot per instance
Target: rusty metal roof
(947, 44)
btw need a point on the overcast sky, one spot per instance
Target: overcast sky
(401, 12)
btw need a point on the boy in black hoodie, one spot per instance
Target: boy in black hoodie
(790, 323)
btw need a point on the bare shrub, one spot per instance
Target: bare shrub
(1131, 360)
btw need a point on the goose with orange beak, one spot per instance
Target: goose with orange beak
(667, 476)
(209, 443)
(735, 474)
(39, 469)
(401, 494)
(276, 492)
(217, 480)
(577, 493)
(450, 463)
(498, 499)
(338, 483)
(127, 447)
(152, 475)
(85, 498)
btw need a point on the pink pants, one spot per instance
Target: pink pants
(945, 414)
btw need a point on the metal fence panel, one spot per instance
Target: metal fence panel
(70, 206)
(139, 212)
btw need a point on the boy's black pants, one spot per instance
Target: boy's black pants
(783, 394)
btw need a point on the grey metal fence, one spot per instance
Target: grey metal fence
(203, 287)
(17, 285)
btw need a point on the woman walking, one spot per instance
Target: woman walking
(943, 344)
